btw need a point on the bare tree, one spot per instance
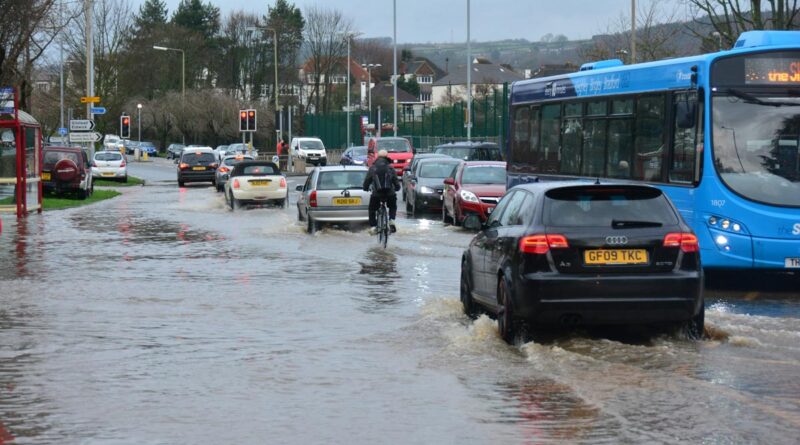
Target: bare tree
(324, 34)
(238, 73)
(732, 17)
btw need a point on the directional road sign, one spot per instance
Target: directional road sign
(90, 100)
(85, 137)
(63, 131)
(81, 125)
(98, 110)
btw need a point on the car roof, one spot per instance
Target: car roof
(469, 144)
(589, 183)
(200, 149)
(108, 151)
(442, 160)
(237, 156)
(491, 163)
(55, 147)
(242, 165)
(338, 168)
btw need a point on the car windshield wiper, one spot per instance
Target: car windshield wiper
(749, 98)
(618, 224)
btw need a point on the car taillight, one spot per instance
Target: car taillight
(183, 166)
(312, 199)
(540, 244)
(224, 169)
(283, 183)
(122, 164)
(686, 241)
(236, 183)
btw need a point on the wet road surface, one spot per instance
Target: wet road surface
(161, 317)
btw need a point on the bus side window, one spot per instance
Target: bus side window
(534, 155)
(520, 142)
(620, 148)
(550, 140)
(684, 154)
(650, 151)
(572, 138)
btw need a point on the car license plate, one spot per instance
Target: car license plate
(615, 256)
(792, 263)
(260, 182)
(347, 201)
(45, 176)
(107, 174)
(198, 168)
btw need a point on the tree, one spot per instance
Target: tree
(730, 18)
(198, 17)
(288, 21)
(409, 85)
(324, 34)
(152, 13)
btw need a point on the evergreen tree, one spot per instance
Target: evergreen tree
(410, 86)
(288, 21)
(151, 14)
(197, 16)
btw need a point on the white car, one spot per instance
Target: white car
(256, 182)
(111, 142)
(312, 150)
(110, 165)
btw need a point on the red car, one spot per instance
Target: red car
(400, 151)
(474, 189)
(67, 169)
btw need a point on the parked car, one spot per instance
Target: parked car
(569, 253)
(333, 195)
(225, 168)
(111, 142)
(474, 189)
(354, 156)
(109, 165)
(122, 145)
(406, 180)
(148, 147)
(67, 169)
(197, 164)
(426, 184)
(174, 151)
(311, 150)
(471, 151)
(256, 182)
(400, 151)
(131, 146)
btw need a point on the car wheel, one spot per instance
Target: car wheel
(408, 207)
(311, 225)
(695, 327)
(231, 201)
(444, 214)
(506, 324)
(466, 291)
(125, 179)
(299, 214)
(181, 183)
(456, 218)
(280, 203)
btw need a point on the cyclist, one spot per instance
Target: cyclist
(382, 181)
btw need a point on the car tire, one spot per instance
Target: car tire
(408, 207)
(181, 183)
(466, 292)
(125, 179)
(299, 214)
(281, 203)
(695, 327)
(506, 322)
(311, 225)
(444, 214)
(456, 218)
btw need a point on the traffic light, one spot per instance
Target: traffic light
(125, 127)
(242, 120)
(251, 120)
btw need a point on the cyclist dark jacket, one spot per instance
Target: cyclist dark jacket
(383, 182)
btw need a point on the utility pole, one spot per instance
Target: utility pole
(633, 31)
(394, 39)
(61, 57)
(88, 11)
(469, 80)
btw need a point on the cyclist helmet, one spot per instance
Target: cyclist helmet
(383, 154)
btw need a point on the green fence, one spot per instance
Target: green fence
(422, 124)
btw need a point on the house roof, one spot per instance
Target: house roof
(356, 70)
(414, 66)
(385, 90)
(482, 73)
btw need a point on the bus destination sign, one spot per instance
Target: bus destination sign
(772, 71)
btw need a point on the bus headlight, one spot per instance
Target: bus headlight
(726, 224)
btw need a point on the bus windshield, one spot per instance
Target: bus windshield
(755, 140)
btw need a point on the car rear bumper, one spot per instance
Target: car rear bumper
(545, 298)
(109, 172)
(261, 195)
(192, 176)
(429, 201)
(332, 214)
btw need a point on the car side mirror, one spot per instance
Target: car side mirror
(473, 222)
(299, 188)
(449, 181)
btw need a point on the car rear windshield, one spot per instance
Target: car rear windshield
(107, 156)
(234, 161)
(360, 151)
(341, 180)
(608, 207)
(198, 158)
(311, 145)
(436, 169)
(260, 170)
(52, 157)
(484, 175)
(472, 153)
(394, 145)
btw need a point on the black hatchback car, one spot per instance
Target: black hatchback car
(471, 151)
(569, 253)
(197, 165)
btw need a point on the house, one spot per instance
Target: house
(426, 73)
(338, 69)
(486, 77)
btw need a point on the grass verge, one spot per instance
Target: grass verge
(62, 202)
(132, 180)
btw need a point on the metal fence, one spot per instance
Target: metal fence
(424, 126)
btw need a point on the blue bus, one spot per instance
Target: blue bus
(719, 133)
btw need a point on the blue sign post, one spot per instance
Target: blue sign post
(63, 131)
(98, 110)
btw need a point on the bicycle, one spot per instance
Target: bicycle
(383, 224)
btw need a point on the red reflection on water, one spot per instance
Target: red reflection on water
(5, 435)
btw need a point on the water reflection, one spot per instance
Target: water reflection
(379, 271)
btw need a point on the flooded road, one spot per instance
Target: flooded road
(160, 317)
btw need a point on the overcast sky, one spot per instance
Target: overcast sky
(421, 21)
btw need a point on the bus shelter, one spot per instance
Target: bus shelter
(20, 158)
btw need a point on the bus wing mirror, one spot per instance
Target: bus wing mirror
(686, 114)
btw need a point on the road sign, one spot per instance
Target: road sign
(63, 131)
(81, 125)
(92, 136)
(90, 100)
(98, 110)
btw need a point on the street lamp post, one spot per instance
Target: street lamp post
(139, 121)
(469, 78)
(183, 77)
(349, 37)
(369, 67)
(394, 74)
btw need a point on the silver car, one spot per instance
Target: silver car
(224, 170)
(333, 195)
(109, 165)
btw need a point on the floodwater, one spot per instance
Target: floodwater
(161, 317)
